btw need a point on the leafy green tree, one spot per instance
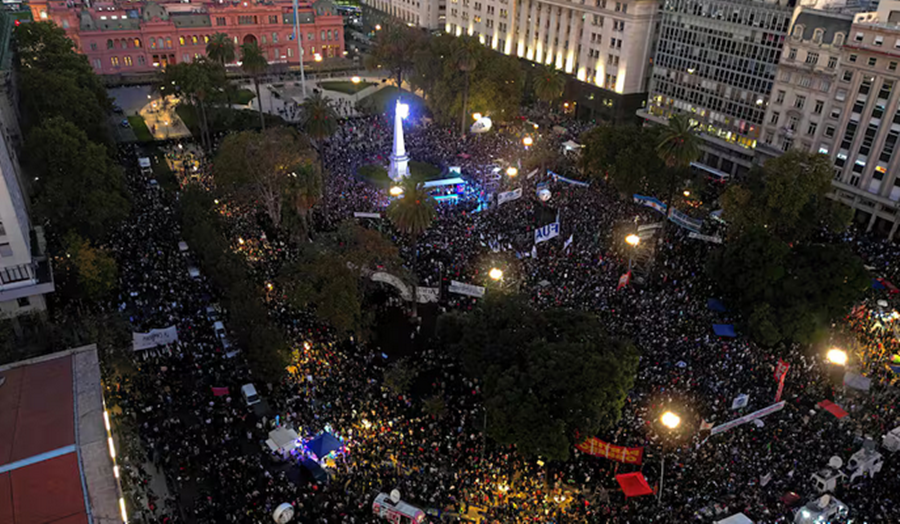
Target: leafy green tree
(786, 197)
(303, 192)
(787, 294)
(412, 214)
(394, 49)
(548, 85)
(254, 63)
(96, 268)
(400, 376)
(55, 81)
(78, 186)
(258, 168)
(609, 154)
(220, 49)
(548, 376)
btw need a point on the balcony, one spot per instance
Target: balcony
(26, 280)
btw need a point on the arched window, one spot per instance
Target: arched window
(205, 39)
(109, 44)
(160, 42)
(168, 42)
(194, 39)
(839, 39)
(797, 32)
(128, 62)
(123, 43)
(180, 40)
(137, 42)
(817, 36)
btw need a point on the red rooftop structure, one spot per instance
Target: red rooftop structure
(45, 455)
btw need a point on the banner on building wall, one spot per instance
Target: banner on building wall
(599, 448)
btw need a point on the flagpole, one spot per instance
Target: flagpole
(299, 38)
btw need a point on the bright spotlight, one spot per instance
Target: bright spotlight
(633, 240)
(670, 420)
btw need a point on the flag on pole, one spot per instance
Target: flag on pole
(534, 251)
(568, 242)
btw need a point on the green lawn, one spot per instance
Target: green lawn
(224, 119)
(346, 87)
(244, 96)
(141, 131)
(386, 97)
(378, 175)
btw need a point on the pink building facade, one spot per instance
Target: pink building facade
(140, 37)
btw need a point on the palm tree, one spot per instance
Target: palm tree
(254, 63)
(220, 48)
(303, 191)
(466, 58)
(412, 214)
(319, 117)
(549, 85)
(679, 144)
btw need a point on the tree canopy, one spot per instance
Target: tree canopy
(258, 168)
(786, 197)
(787, 294)
(610, 152)
(549, 376)
(413, 212)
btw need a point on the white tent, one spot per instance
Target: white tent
(737, 518)
(283, 440)
(571, 145)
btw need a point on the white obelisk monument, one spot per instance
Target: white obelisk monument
(399, 159)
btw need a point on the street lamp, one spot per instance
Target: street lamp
(495, 273)
(476, 116)
(511, 171)
(396, 191)
(837, 356)
(378, 27)
(633, 241)
(686, 193)
(527, 141)
(671, 421)
(356, 80)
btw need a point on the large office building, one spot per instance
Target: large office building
(25, 272)
(122, 37)
(425, 14)
(716, 61)
(605, 44)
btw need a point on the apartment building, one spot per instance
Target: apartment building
(124, 37)
(805, 108)
(604, 44)
(868, 120)
(25, 272)
(425, 14)
(717, 60)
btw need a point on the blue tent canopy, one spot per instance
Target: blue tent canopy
(324, 444)
(724, 330)
(715, 304)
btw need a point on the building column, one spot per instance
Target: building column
(872, 220)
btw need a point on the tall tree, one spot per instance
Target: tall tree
(394, 50)
(256, 167)
(609, 155)
(465, 56)
(412, 214)
(78, 187)
(320, 118)
(303, 191)
(96, 268)
(220, 49)
(549, 376)
(548, 84)
(679, 144)
(254, 63)
(787, 197)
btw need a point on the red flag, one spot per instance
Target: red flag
(220, 392)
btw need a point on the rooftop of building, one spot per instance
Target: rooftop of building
(831, 23)
(53, 443)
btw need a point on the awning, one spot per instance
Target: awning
(724, 330)
(832, 408)
(634, 484)
(715, 304)
(284, 439)
(324, 444)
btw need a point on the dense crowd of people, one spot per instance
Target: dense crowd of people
(210, 448)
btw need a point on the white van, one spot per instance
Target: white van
(248, 391)
(221, 334)
(194, 272)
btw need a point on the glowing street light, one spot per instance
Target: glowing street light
(686, 193)
(396, 191)
(317, 57)
(378, 27)
(476, 116)
(670, 420)
(495, 273)
(837, 356)
(633, 240)
(356, 80)
(527, 141)
(511, 171)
